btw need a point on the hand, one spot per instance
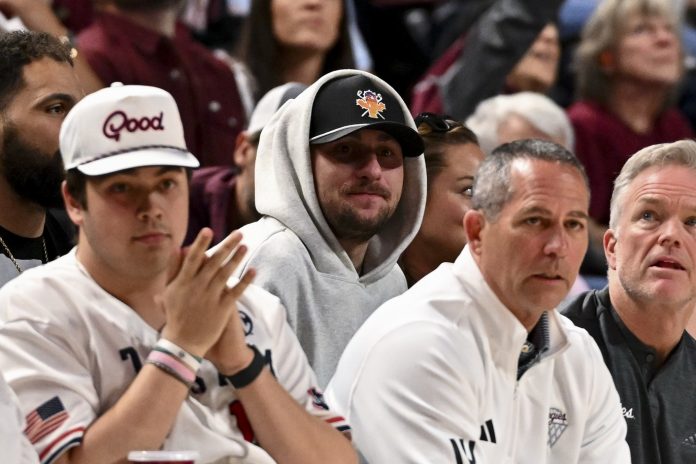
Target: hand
(37, 15)
(197, 303)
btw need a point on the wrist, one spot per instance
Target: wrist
(192, 348)
(245, 358)
(243, 377)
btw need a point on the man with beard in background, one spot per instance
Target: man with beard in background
(141, 42)
(38, 87)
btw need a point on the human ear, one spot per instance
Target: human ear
(609, 241)
(474, 222)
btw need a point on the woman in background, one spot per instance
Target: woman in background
(452, 156)
(295, 40)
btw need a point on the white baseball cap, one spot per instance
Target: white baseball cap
(124, 127)
(270, 103)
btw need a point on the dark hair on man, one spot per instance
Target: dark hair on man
(492, 185)
(260, 51)
(20, 48)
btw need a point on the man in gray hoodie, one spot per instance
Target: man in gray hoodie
(340, 181)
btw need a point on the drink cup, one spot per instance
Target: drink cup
(164, 457)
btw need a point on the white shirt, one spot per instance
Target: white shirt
(65, 337)
(432, 377)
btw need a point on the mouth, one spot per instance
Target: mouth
(151, 238)
(667, 263)
(549, 277)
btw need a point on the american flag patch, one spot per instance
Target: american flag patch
(45, 419)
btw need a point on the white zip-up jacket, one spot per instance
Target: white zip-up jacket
(431, 377)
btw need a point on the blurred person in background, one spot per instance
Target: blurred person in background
(628, 64)
(512, 47)
(295, 40)
(142, 42)
(222, 197)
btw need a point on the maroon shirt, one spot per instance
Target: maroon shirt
(211, 202)
(203, 86)
(603, 143)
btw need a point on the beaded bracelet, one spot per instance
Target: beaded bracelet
(192, 361)
(172, 366)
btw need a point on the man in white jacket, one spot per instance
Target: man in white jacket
(473, 364)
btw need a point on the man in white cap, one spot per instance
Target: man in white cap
(222, 197)
(341, 185)
(128, 343)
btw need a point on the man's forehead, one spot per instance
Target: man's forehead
(46, 76)
(138, 172)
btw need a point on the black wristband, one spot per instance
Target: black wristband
(248, 374)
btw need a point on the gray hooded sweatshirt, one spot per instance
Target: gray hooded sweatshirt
(295, 253)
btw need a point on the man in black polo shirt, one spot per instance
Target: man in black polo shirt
(639, 320)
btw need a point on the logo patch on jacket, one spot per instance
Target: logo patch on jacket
(247, 323)
(558, 422)
(690, 441)
(371, 102)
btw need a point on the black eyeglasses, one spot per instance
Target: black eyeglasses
(437, 122)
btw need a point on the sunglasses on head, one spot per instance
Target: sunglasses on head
(436, 122)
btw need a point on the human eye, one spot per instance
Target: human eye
(691, 222)
(533, 220)
(647, 216)
(56, 108)
(343, 149)
(118, 187)
(168, 184)
(575, 224)
(468, 191)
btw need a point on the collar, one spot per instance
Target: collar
(505, 333)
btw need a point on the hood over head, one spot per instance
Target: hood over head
(285, 187)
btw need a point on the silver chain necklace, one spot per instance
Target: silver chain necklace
(12, 258)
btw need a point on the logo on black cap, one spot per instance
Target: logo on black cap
(371, 102)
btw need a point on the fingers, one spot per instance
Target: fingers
(215, 269)
(233, 293)
(195, 254)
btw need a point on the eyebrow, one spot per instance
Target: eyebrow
(541, 210)
(63, 97)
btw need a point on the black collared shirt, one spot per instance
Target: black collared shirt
(536, 344)
(658, 402)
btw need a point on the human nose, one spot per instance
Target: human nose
(369, 167)
(149, 206)
(557, 242)
(669, 233)
(664, 35)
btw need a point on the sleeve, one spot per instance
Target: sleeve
(604, 439)
(413, 398)
(289, 362)
(495, 44)
(50, 377)
(14, 445)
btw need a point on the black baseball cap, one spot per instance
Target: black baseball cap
(347, 104)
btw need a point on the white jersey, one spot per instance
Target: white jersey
(15, 447)
(70, 350)
(431, 377)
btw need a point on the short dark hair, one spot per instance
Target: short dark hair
(20, 48)
(492, 185)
